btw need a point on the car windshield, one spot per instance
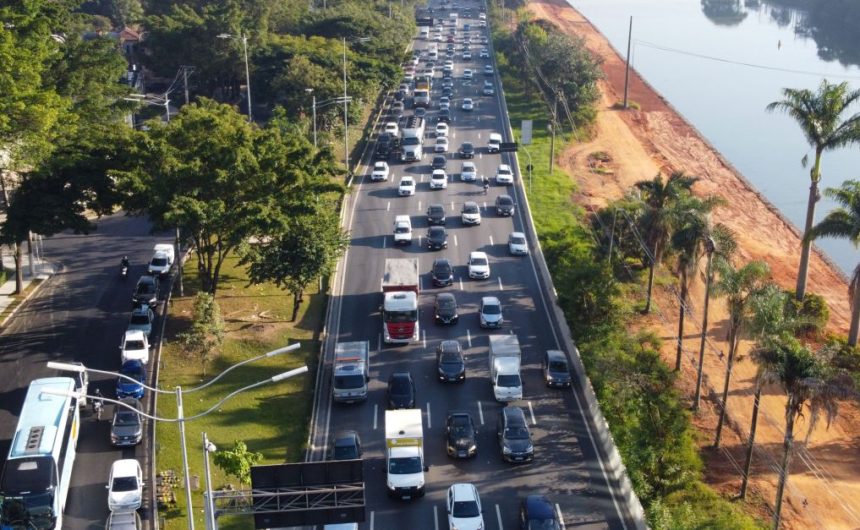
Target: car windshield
(468, 147)
(401, 229)
(124, 484)
(505, 201)
(404, 466)
(159, 262)
(436, 232)
(479, 262)
(435, 210)
(345, 453)
(145, 288)
(407, 182)
(401, 316)
(134, 345)
(442, 269)
(411, 140)
(557, 366)
(542, 524)
(126, 418)
(446, 303)
(133, 373)
(492, 309)
(465, 509)
(450, 358)
(400, 387)
(349, 381)
(461, 428)
(509, 380)
(517, 433)
(140, 319)
(517, 240)
(470, 208)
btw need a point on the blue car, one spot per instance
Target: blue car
(125, 388)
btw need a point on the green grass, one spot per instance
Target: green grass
(272, 419)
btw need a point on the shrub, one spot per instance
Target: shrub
(812, 311)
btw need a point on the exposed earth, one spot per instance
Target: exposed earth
(628, 146)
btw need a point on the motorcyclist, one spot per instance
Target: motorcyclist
(486, 184)
(98, 403)
(124, 262)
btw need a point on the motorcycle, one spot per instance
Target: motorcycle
(123, 271)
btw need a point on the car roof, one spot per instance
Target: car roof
(477, 254)
(345, 437)
(436, 206)
(400, 375)
(446, 296)
(470, 165)
(406, 177)
(539, 507)
(504, 166)
(132, 365)
(490, 300)
(134, 334)
(504, 197)
(124, 468)
(142, 309)
(441, 261)
(514, 415)
(464, 491)
(556, 355)
(438, 171)
(445, 344)
(517, 234)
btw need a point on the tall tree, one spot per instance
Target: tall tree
(809, 384)
(656, 221)
(691, 233)
(820, 115)
(738, 286)
(844, 222)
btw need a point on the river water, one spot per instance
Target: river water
(720, 73)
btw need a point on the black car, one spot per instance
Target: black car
(556, 372)
(346, 445)
(146, 291)
(445, 309)
(400, 95)
(504, 205)
(444, 115)
(467, 150)
(126, 427)
(439, 162)
(401, 391)
(437, 238)
(515, 440)
(442, 272)
(420, 112)
(436, 214)
(536, 512)
(384, 145)
(447, 92)
(450, 363)
(461, 438)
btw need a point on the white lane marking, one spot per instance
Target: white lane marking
(560, 515)
(480, 412)
(485, 205)
(378, 342)
(455, 240)
(435, 519)
(424, 337)
(429, 419)
(384, 241)
(371, 519)
(479, 136)
(388, 206)
(452, 202)
(499, 517)
(461, 284)
(419, 206)
(532, 413)
(375, 416)
(501, 287)
(422, 178)
(469, 338)
(419, 241)
(491, 241)
(480, 155)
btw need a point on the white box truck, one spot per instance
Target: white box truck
(412, 138)
(162, 259)
(505, 376)
(404, 453)
(350, 372)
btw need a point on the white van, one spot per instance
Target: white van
(424, 32)
(494, 143)
(402, 230)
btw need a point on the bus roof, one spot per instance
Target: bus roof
(43, 418)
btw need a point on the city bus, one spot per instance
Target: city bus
(37, 473)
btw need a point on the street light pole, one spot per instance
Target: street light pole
(180, 415)
(209, 447)
(247, 76)
(345, 115)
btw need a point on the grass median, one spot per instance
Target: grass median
(272, 419)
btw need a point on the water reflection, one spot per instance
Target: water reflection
(724, 12)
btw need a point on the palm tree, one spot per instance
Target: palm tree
(809, 382)
(691, 233)
(660, 199)
(819, 115)
(844, 222)
(738, 286)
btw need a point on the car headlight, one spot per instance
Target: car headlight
(113, 437)
(506, 450)
(530, 448)
(473, 448)
(420, 483)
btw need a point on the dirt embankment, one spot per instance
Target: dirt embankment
(824, 491)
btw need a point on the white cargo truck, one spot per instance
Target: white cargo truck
(404, 453)
(412, 138)
(350, 373)
(505, 359)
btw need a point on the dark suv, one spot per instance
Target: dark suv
(515, 440)
(401, 391)
(437, 238)
(504, 205)
(460, 435)
(467, 150)
(556, 372)
(384, 145)
(442, 272)
(436, 214)
(445, 309)
(450, 364)
(346, 445)
(146, 291)
(439, 162)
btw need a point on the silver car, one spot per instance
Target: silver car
(491, 312)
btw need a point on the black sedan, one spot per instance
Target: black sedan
(445, 309)
(537, 512)
(467, 150)
(460, 435)
(439, 162)
(436, 214)
(346, 445)
(437, 238)
(444, 115)
(442, 272)
(401, 391)
(450, 364)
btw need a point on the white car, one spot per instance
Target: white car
(406, 187)
(471, 213)
(438, 180)
(134, 346)
(479, 265)
(517, 244)
(467, 74)
(482, 16)
(444, 100)
(445, 106)
(464, 508)
(468, 173)
(441, 145)
(504, 175)
(490, 314)
(468, 104)
(380, 171)
(392, 129)
(467, 55)
(488, 69)
(402, 230)
(485, 53)
(442, 129)
(125, 486)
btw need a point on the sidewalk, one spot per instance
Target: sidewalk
(42, 269)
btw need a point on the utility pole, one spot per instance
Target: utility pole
(179, 261)
(627, 67)
(167, 106)
(553, 126)
(247, 76)
(345, 115)
(315, 119)
(185, 82)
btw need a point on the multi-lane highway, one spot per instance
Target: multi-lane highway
(78, 315)
(567, 465)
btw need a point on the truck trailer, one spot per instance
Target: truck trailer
(400, 301)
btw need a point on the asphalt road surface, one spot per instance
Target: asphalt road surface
(566, 467)
(79, 314)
